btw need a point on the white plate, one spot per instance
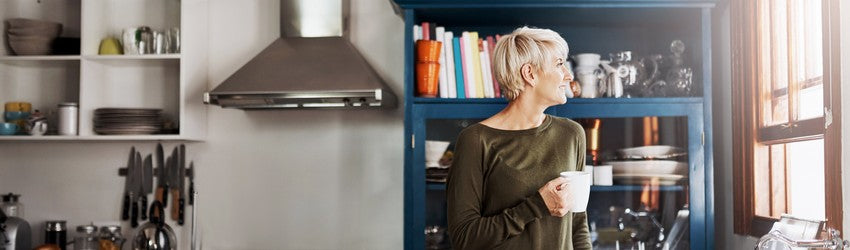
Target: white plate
(651, 152)
(641, 179)
(651, 167)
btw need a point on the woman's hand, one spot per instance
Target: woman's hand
(556, 197)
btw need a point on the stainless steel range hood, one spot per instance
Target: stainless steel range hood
(312, 65)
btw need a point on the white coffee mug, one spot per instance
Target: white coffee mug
(578, 184)
(602, 175)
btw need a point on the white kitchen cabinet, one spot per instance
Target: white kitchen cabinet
(172, 82)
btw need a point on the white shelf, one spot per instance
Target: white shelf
(48, 138)
(39, 58)
(133, 57)
(172, 82)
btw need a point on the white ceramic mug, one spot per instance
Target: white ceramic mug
(589, 81)
(434, 150)
(602, 175)
(578, 184)
(587, 59)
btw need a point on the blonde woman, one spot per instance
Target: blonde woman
(504, 189)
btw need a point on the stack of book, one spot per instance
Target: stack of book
(465, 62)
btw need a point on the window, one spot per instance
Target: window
(786, 109)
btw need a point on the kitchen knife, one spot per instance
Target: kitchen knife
(147, 186)
(125, 205)
(162, 176)
(192, 183)
(181, 173)
(174, 182)
(136, 190)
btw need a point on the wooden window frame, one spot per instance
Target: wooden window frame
(745, 117)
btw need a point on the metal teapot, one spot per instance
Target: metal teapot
(155, 234)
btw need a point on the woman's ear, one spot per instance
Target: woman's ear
(527, 73)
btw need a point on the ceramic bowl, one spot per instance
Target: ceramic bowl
(10, 116)
(8, 128)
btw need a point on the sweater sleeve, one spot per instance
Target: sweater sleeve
(468, 228)
(581, 232)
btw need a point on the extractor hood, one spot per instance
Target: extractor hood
(312, 65)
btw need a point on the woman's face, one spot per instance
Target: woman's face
(554, 80)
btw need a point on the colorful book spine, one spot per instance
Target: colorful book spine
(476, 64)
(426, 27)
(492, 43)
(485, 69)
(441, 79)
(448, 54)
(461, 90)
(468, 67)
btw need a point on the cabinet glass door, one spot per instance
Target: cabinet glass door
(641, 182)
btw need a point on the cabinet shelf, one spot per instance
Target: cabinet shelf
(133, 57)
(164, 81)
(55, 138)
(659, 100)
(431, 186)
(644, 27)
(39, 58)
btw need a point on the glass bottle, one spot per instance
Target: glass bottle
(86, 238)
(55, 233)
(110, 238)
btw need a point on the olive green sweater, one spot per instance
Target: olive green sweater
(492, 190)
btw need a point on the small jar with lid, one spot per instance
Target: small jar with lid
(86, 238)
(55, 232)
(111, 238)
(67, 118)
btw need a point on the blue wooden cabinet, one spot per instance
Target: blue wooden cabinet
(598, 26)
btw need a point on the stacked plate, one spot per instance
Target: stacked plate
(649, 164)
(127, 121)
(436, 174)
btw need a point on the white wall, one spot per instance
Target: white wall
(268, 180)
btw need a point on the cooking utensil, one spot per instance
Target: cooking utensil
(125, 204)
(155, 234)
(191, 183)
(174, 182)
(193, 233)
(136, 190)
(147, 185)
(678, 236)
(162, 176)
(181, 177)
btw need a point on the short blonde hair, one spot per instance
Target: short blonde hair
(524, 46)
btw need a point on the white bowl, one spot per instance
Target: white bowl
(434, 151)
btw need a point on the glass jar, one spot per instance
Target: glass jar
(111, 238)
(11, 206)
(67, 118)
(86, 238)
(55, 233)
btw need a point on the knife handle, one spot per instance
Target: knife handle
(144, 202)
(162, 195)
(175, 211)
(191, 193)
(180, 211)
(125, 207)
(134, 214)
